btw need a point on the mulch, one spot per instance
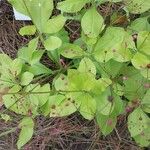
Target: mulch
(68, 133)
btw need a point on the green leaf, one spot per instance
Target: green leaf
(72, 51)
(78, 81)
(36, 56)
(27, 30)
(81, 88)
(52, 43)
(140, 61)
(5, 58)
(118, 89)
(63, 35)
(33, 44)
(106, 123)
(108, 43)
(146, 102)
(35, 96)
(16, 67)
(38, 69)
(143, 41)
(39, 94)
(15, 102)
(137, 6)
(140, 24)
(146, 108)
(61, 83)
(59, 105)
(146, 73)
(104, 106)
(83, 81)
(88, 106)
(26, 133)
(111, 68)
(92, 23)
(65, 108)
(146, 99)
(52, 103)
(89, 41)
(7, 80)
(119, 106)
(144, 138)
(26, 121)
(71, 6)
(55, 24)
(125, 52)
(100, 85)
(26, 78)
(26, 53)
(10, 71)
(18, 103)
(137, 122)
(136, 91)
(38, 11)
(86, 65)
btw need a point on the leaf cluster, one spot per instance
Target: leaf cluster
(102, 75)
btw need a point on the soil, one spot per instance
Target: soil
(68, 133)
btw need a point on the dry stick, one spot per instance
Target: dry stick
(118, 134)
(9, 131)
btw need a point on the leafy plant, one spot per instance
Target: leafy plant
(103, 74)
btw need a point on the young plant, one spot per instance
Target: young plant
(103, 74)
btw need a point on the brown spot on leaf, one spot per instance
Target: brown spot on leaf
(148, 66)
(62, 78)
(110, 98)
(147, 85)
(109, 122)
(53, 106)
(69, 99)
(128, 109)
(66, 83)
(67, 104)
(73, 101)
(114, 50)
